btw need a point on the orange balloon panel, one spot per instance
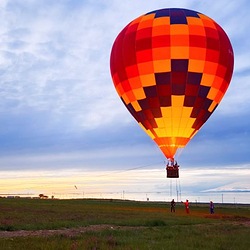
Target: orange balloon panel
(171, 68)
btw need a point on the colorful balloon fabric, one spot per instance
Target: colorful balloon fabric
(171, 68)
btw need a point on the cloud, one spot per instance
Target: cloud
(118, 157)
(137, 184)
(57, 61)
(55, 56)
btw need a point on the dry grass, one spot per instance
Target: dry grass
(103, 224)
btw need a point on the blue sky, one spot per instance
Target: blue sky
(59, 110)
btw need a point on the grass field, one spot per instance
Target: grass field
(106, 224)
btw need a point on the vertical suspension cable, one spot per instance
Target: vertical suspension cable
(171, 189)
(176, 189)
(180, 188)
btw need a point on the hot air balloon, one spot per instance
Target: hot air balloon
(171, 68)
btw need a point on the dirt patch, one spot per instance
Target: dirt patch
(67, 232)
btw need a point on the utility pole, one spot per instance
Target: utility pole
(222, 198)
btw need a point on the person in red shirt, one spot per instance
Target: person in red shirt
(186, 206)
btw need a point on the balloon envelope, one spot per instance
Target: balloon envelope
(171, 68)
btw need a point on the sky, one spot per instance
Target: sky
(62, 123)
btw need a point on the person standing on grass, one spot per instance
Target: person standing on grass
(211, 207)
(186, 206)
(172, 206)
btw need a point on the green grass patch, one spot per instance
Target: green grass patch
(21, 214)
(152, 225)
(180, 237)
